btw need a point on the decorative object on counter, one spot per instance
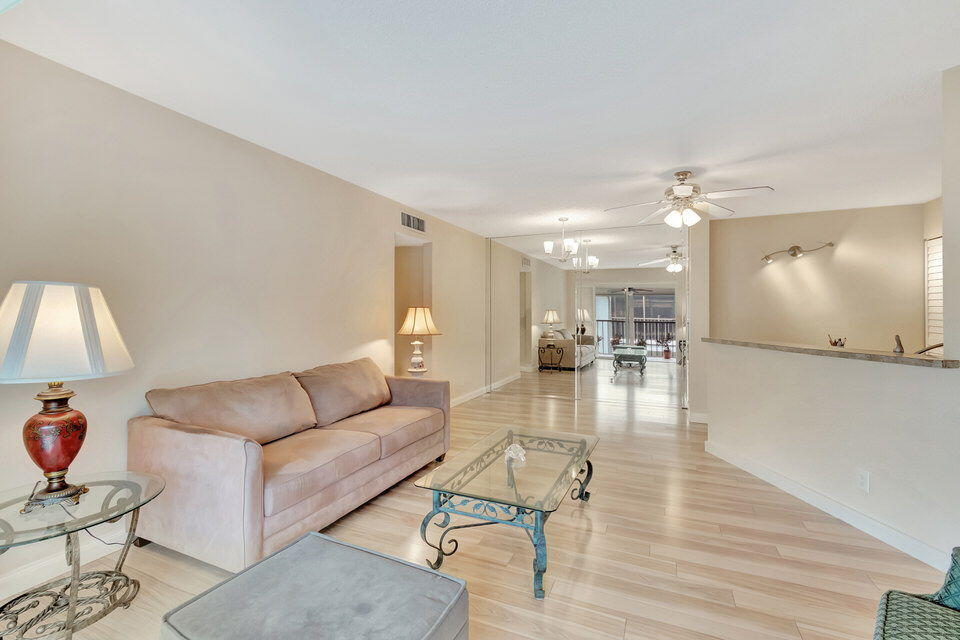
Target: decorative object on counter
(898, 347)
(551, 317)
(925, 349)
(795, 251)
(419, 322)
(55, 332)
(836, 342)
(684, 202)
(515, 455)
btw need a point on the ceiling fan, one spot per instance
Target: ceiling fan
(684, 202)
(674, 260)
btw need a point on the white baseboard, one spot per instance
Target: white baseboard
(476, 393)
(528, 368)
(879, 530)
(697, 417)
(41, 570)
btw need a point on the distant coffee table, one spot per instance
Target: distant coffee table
(481, 483)
(60, 607)
(629, 356)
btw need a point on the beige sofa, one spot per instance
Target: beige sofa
(578, 351)
(253, 464)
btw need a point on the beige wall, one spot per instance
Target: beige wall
(505, 303)
(867, 288)
(933, 218)
(219, 259)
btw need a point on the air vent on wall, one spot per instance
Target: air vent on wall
(413, 222)
(524, 262)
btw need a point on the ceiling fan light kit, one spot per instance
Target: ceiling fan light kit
(674, 260)
(794, 251)
(685, 205)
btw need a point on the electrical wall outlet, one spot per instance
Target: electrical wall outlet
(863, 480)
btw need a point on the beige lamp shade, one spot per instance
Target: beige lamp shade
(583, 315)
(419, 322)
(551, 317)
(58, 331)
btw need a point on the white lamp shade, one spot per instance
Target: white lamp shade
(690, 217)
(419, 322)
(583, 315)
(551, 317)
(58, 331)
(674, 219)
(593, 262)
(548, 247)
(570, 245)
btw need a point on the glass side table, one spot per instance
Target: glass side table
(60, 607)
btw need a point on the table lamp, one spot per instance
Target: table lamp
(551, 317)
(419, 322)
(54, 332)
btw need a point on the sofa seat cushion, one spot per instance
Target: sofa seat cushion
(395, 426)
(263, 409)
(305, 463)
(341, 390)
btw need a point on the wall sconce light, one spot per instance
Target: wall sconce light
(794, 251)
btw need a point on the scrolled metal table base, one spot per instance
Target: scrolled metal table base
(61, 607)
(579, 491)
(489, 512)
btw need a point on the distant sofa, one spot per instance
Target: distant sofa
(253, 464)
(578, 351)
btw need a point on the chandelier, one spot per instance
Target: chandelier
(563, 250)
(586, 263)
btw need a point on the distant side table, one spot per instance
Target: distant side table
(61, 607)
(551, 363)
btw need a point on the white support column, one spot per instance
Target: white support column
(950, 175)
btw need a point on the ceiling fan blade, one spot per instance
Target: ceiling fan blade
(737, 193)
(644, 264)
(656, 213)
(713, 209)
(635, 204)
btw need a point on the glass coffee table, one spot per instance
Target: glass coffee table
(63, 606)
(483, 483)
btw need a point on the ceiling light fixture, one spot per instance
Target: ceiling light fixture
(795, 251)
(563, 250)
(588, 262)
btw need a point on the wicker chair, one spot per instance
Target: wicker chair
(906, 616)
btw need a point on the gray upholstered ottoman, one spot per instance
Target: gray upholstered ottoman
(321, 588)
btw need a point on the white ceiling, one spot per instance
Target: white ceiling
(501, 116)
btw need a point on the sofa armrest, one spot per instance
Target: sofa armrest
(212, 507)
(423, 392)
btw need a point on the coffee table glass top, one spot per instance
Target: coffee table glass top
(630, 350)
(553, 461)
(110, 496)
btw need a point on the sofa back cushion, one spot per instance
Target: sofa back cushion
(263, 409)
(338, 391)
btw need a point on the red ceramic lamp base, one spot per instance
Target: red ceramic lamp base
(53, 439)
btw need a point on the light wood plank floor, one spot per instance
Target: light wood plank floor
(674, 544)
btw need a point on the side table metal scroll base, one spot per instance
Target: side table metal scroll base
(60, 607)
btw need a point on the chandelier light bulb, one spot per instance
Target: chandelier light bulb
(690, 217)
(674, 219)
